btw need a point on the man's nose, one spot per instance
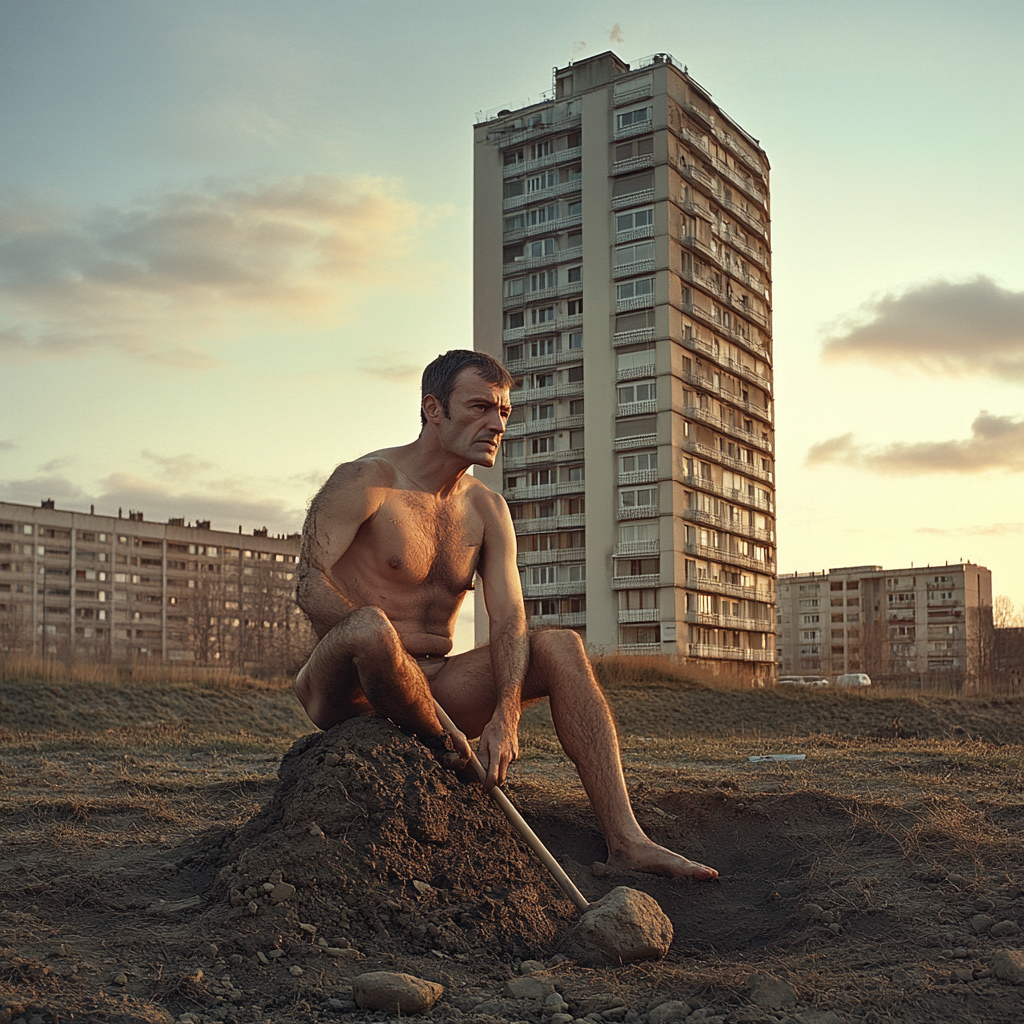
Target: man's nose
(496, 422)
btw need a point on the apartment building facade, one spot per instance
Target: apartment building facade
(79, 585)
(890, 623)
(622, 272)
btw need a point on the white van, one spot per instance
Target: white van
(854, 679)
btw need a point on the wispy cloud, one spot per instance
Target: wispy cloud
(996, 442)
(987, 530)
(392, 366)
(615, 35)
(958, 329)
(7, 446)
(159, 281)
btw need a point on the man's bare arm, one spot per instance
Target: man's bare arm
(509, 642)
(352, 494)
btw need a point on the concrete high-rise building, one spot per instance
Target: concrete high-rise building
(79, 585)
(890, 623)
(622, 272)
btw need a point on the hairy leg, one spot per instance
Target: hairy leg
(360, 666)
(560, 670)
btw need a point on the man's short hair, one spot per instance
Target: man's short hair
(439, 376)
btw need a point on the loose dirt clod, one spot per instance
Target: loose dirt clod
(404, 858)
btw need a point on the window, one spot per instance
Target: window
(545, 279)
(513, 156)
(577, 573)
(638, 497)
(633, 533)
(576, 474)
(513, 352)
(545, 247)
(541, 214)
(576, 340)
(574, 374)
(514, 223)
(574, 275)
(632, 117)
(574, 209)
(644, 391)
(543, 574)
(515, 286)
(633, 358)
(542, 412)
(630, 184)
(634, 253)
(641, 288)
(539, 182)
(542, 444)
(574, 308)
(543, 316)
(539, 149)
(514, 320)
(634, 219)
(638, 462)
(576, 407)
(638, 147)
(543, 347)
(542, 380)
(539, 477)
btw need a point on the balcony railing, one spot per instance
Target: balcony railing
(713, 453)
(637, 128)
(537, 131)
(544, 426)
(731, 653)
(638, 302)
(532, 262)
(541, 458)
(525, 558)
(634, 163)
(541, 491)
(639, 476)
(634, 234)
(515, 366)
(729, 557)
(711, 349)
(625, 444)
(698, 515)
(636, 582)
(632, 337)
(643, 408)
(564, 188)
(565, 619)
(563, 588)
(633, 269)
(549, 524)
(635, 372)
(711, 586)
(637, 547)
(695, 412)
(639, 649)
(727, 396)
(562, 156)
(727, 621)
(638, 198)
(639, 615)
(729, 493)
(637, 512)
(549, 227)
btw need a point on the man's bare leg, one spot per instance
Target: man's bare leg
(560, 670)
(360, 666)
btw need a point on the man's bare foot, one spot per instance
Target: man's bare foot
(648, 856)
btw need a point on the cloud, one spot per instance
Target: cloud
(616, 36)
(391, 366)
(988, 530)
(996, 442)
(8, 446)
(37, 488)
(974, 327)
(178, 467)
(158, 281)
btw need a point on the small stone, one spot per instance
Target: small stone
(834, 929)
(528, 987)
(963, 974)
(332, 760)
(295, 971)
(495, 1008)
(598, 1002)
(771, 993)
(981, 923)
(674, 1009)
(599, 869)
(275, 877)
(422, 887)
(395, 993)
(253, 907)
(561, 1018)
(343, 953)
(982, 904)
(314, 829)
(120, 979)
(1009, 966)
(275, 954)
(813, 911)
(624, 926)
(309, 928)
(616, 1013)
(960, 953)
(262, 957)
(268, 886)
(530, 967)
(210, 949)
(1004, 928)
(954, 878)
(282, 891)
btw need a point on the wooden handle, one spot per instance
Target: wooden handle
(518, 822)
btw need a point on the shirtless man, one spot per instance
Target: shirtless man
(390, 548)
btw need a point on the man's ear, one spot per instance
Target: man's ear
(432, 409)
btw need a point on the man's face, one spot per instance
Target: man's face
(477, 413)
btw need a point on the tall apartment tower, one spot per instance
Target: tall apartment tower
(623, 275)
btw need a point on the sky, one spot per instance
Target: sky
(234, 231)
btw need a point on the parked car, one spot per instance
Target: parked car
(853, 679)
(803, 681)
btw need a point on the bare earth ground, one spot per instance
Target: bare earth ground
(132, 850)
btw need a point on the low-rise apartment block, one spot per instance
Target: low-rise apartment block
(79, 585)
(890, 623)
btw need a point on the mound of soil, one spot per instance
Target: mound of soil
(370, 845)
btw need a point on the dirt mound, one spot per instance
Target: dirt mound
(371, 843)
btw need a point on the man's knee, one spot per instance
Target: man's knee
(556, 647)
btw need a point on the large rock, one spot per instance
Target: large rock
(1009, 965)
(674, 1009)
(771, 993)
(528, 987)
(395, 993)
(623, 926)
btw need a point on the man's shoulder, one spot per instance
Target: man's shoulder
(483, 497)
(373, 470)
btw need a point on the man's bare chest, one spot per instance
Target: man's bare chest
(418, 540)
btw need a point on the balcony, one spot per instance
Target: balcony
(633, 337)
(637, 512)
(638, 302)
(695, 412)
(731, 653)
(550, 227)
(726, 621)
(544, 426)
(525, 558)
(523, 263)
(637, 92)
(639, 649)
(537, 131)
(634, 163)
(541, 458)
(530, 395)
(563, 156)
(639, 615)
(563, 588)
(647, 407)
(739, 180)
(564, 619)
(698, 515)
(729, 557)
(565, 188)
(638, 476)
(625, 444)
(541, 491)
(516, 366)
(694, 173)
(637, 128)
(729, 493)
(749, 219)
(727, 396)
(638, 198)
(637, 547)
(633, 269)
(714, 586)
(634, 234)
(635, 372)
(549, 524)
(636, 582)
(712, 349)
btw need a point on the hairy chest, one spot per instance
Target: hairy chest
(418, 540)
